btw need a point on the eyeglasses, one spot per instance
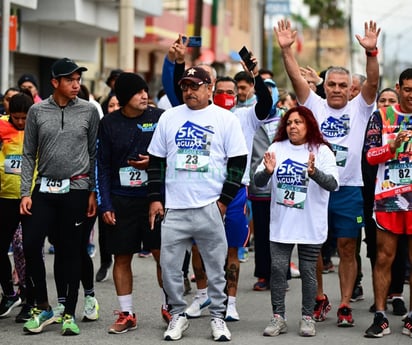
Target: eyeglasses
(192, 86)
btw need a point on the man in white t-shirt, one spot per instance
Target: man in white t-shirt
(343, 124)
(199, 152)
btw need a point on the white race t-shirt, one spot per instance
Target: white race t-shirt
(299, 206)
(345, 129)
(249, 123)
(196, 145)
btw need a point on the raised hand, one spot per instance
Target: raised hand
(284, 34)
(370, 40)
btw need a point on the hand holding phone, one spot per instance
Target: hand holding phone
(194, 41)
(246, 57)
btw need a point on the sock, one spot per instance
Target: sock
(89, 292)
(382, 312)
(231, 300)
(163, 297)
(126, 303)
(202, 294)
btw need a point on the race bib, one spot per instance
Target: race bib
(341, 154)
(192, 160)
(290, 195)
(400, 173)
(12, 164)
(54, 186)
(132, 177)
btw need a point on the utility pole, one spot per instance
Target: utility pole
(5, 54)
(126, 36)
(197, 28)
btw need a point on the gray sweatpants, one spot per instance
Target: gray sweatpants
(179, 229)
(280, 254)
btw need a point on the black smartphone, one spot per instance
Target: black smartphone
(245, 56)
(194, 41)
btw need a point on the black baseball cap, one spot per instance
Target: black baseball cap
(65, 67)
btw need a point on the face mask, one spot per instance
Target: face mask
(224, 100)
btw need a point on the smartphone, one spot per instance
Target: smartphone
(245, 56)
(194, 41)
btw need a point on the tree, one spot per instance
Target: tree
(329, 15)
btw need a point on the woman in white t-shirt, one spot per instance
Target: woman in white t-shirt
(303, 171)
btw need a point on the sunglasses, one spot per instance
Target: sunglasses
(192, 86)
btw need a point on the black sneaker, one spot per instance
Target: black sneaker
(357, 294)
(24, 314)
(379, 328)
(103, 272)
(398, 306)
(8, 303)
(407, 326)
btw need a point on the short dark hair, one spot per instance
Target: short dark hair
(266, 71)
(405, 75)
(226, 78)
(20, 103)
(243, 76)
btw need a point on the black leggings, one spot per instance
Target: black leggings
(87, 275)
(9, 220)
(59, 216)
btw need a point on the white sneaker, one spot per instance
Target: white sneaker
(276, 326)
(91, 309)
(307, 327)
(177, 325)
(58, 312)
(196, 308)
(219, 330)
(294, 270)
(231, 313)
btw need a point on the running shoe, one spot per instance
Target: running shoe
(307, 327)
(357, 294)
(125, 322)
(231, 313)
(379, 327)
(345, 318)
(38, 320)
(69, 326)
(196, 308)
(91, 309)
(294, 271)
(91, 250)
(177, 325)
(220, 332)
(261, 285)
(328, 268)
(164, 310)
(243, 254)
(8, 303)
(276, 326)
(58, 312)
(24, 314)
(322, 307)
(407, 326)
(399, 307)
(103, 272)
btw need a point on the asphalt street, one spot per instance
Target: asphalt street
(254, 309)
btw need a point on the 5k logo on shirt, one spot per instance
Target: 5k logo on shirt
(291, 172)
(194, 137)
(335, 128)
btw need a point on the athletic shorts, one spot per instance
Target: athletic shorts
(345, 212)
(132, 225)
(236, 224)
(398, 223)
